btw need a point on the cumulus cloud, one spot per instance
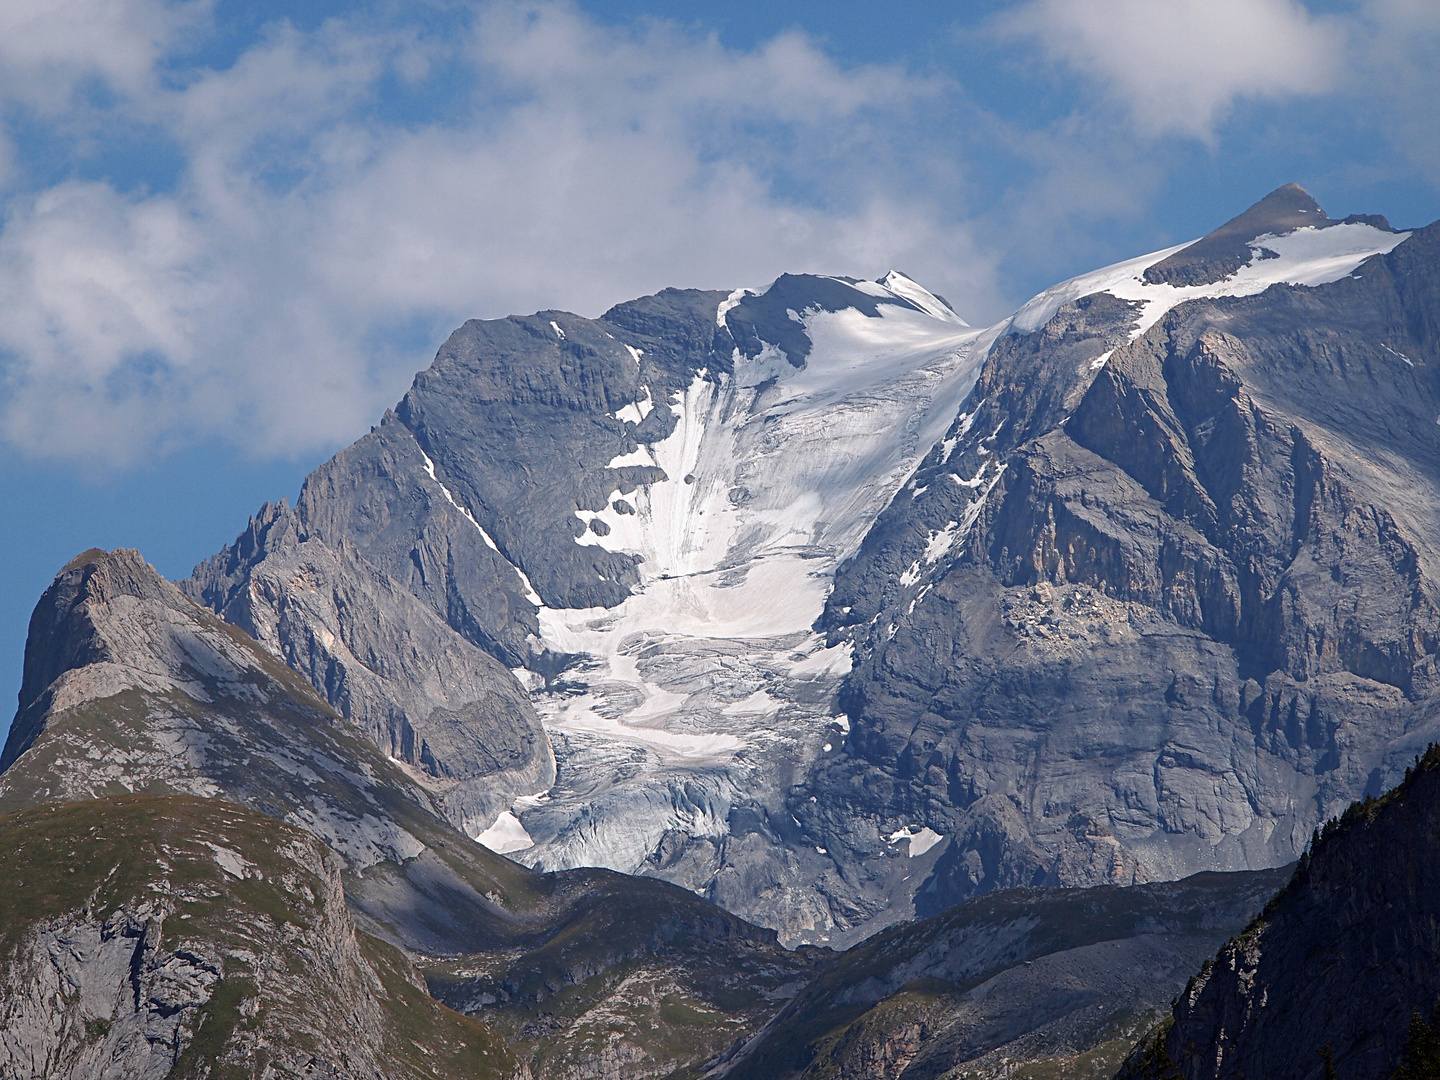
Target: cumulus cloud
(1181, 65)
(277, 293)
(280, 236)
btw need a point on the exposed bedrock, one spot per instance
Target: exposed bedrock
(1156, 605)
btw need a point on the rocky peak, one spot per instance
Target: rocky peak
(1219, 254)
(86, 621)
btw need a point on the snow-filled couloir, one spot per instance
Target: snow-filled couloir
(710, 674)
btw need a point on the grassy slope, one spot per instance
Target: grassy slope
(91, 859)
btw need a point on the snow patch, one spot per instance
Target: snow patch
(906, 288)
(1397, 355)
(506, 835)
(918, 842)
(731, 301)
(636, 411)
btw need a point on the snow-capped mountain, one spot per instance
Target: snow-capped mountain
(813, 600)
(724, 539)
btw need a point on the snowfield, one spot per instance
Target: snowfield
(700, 683)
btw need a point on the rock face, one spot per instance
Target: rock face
(382, 658)
(163, 936)
(1165, 596)
(1342, 957)
(1063, 980)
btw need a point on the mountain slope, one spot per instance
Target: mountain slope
(1342, 957)
(168, 936)
(383, 659)
(581, 972)
(1046, 979)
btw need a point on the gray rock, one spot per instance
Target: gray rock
(1184, 605)
(382, 658)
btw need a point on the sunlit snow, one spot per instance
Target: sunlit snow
(506, 835)
(918, 841)
(774, 477)
(1309, 256)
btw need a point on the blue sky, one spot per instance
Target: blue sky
(232, 231)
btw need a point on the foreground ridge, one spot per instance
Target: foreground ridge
(1337, 964)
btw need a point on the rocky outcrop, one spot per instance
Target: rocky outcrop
(421, 692)
(1165, 597)
(1340, 959)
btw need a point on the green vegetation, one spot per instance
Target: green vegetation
(1420, 1060)
(216, 1021)
(1150, 1060)
(217, 880)
(432, 1041)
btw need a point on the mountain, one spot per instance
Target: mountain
(831, 611)
(1164, 597)
(161, 744)
(836, 610)
(1339, 962)
(646, 511)
(206, 870)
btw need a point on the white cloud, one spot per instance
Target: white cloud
(1178, 66)
(272, 296)
(309, 241)
(49, 47)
